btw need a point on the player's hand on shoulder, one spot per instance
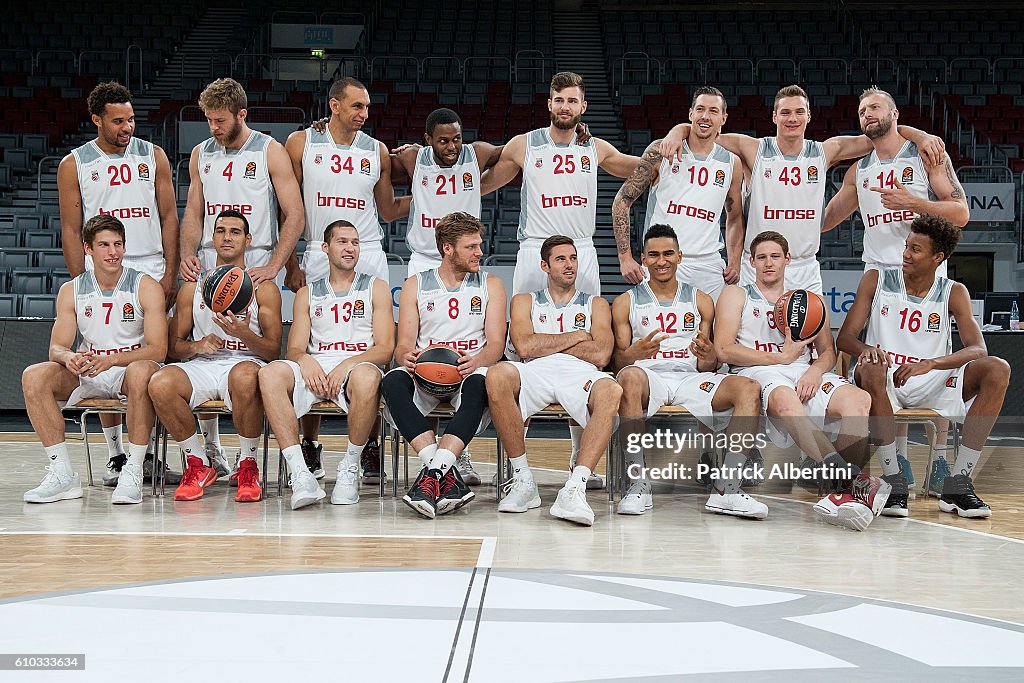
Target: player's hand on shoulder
(401, 149)
(582, 133)
(933, 150)
(670, 147)
(190, 268)
(320, 125)
(261, 273)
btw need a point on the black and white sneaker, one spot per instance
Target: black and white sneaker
(114, 466)
(371, 463)
(171, 477)
(311, 453)
(453, 492)
(704, 478)
(422, 497)
(958, 496)
(896, 505)
(753, 469)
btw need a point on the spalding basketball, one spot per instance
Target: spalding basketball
(437, 370)
(228, 288)
(802, 311)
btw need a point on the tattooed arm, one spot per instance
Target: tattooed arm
(645, 175)
(735, 227)
(951, 202)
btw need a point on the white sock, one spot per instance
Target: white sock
(293, 456)
(211, 431)
(887, 459)
(192, 447)
(443, 460)
(579, 475)
(112, 435)
(136, 453)
(732, 465)
(58, 456)
(427, 454)
(966, 460)
(575, 434)
(520, 468)
(901, 445)
(351, 456)
(939, 452)
(248, 447)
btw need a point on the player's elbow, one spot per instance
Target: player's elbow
(961, 216)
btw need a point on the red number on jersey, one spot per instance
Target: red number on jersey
(227, 172)
(337, 166)
(699, 177)
(887, 180)
(442, 182)
(109, 306)
(790, 176)
(453, 308)
(564, 164)
(910, 322)
(120, 175)
(667, 322)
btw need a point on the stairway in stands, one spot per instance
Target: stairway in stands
(578, 47)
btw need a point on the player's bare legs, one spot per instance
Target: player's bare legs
(43, 384)
(247, 415)
(171, 390)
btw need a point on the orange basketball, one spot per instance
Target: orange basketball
(437, 370)
(228, 288)
(802, 311)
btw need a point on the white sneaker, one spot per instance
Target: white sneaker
(638, 499)
(571, 504)
(218, 461)
(842, 509)
(519, 495)
(738, 504)
(346, 488)
(465, 467)
(305, 489)
(594, 481)
(129, 486)
(58, 484)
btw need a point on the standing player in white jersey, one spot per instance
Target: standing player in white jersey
(788, 175)
(242, 170)
(892, 186)
(118, 314)
(664, 352)
(689, 196)
(343, 332)
(905, 360)
(456, 305)
(122, 176)
(564, 337)
(445, 177)
(559, 195)
(802, 393)
(222, 354)
(345, 175)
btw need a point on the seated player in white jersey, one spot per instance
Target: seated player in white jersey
(689, 195)
(345, 175)
(559, 195)
(221, 356)
(456, 305)
(342, 332)
(109, 338)
(564, 337)
(242, 170)
(893, 185)
(800, 395)
(664, 352)
(787, 175)
(905, 361)
(444, 176)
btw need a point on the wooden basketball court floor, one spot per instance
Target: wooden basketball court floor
(205, 587)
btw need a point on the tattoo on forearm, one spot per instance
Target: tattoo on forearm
(958, 190)
(634, 186)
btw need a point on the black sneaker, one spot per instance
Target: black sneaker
(113, 472)
(453, 493)
(311, 454)
(422, 497)
(707, 458)
(753, 469)
(371, 463)
(896, 505)
(170, 476)
(958, 496)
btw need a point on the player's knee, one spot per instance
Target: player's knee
(162, 385)
(138, 374)
(997, 371)
(858, 403)
(270, 376)
(606, 394)
(244, 377)
(872, 377)
(633, 381)
(35, 376)
(783, 402)
(364, 379)
(748, 396)
(500, 380)
(396, 383)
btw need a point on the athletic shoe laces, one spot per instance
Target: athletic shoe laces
(248, 476)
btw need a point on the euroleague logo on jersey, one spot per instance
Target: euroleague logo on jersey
(908, 175)
(143, 171)
(827, 387)
(933, 321)
(581, 321)
(720, 178)
(689, 320)
(358, 309)
(707, 386)
(250, 170)
(364, 166)
(812, 174)
(476, 305)
(951, 382)
(585, 164)
(467, 181)
(128, 313)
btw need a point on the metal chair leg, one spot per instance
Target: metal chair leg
(382, 483)
(266, 452)
(85, 440)
(499, 475)
(394, 462)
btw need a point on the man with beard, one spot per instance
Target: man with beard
(559, 194)
(787, 175)
(689, 196)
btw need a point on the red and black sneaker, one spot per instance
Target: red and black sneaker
(871, 491)
(249, 490)
(422, 497)
(372, 464)
(454, 492)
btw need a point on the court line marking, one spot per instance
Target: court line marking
(986, 534)
(485, 559)
(234, 533)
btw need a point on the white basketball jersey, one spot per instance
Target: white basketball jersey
(909, 329)
(123, 186)
(886, 231)
(678, 318)
(341, 322)
(690, 197)
(202, 325)
(757, 326)
(551, 318)
(438, 191)
(109, 322)
(787, 195)
(559, 195)
(454, 318)
(338, 182)
(239, 180)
